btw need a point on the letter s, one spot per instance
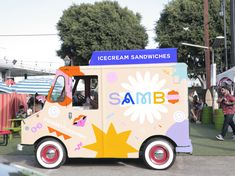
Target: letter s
(114, 98)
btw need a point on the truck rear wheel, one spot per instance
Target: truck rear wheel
(50, 153)
(158, 154)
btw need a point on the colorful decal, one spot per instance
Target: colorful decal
(70, 115)
(112, 77)
(58, 133)
(181, 128)
(110, 116)
(111, 144)
(144, 102)
(179, 116)
(146, 56)
(63, 128)
(54, 111)
(180, 73)
(26, 128)
(68, 97)
(173, 97)
(79, 121)
(66, 101)
(78, 147)
(71, 71)
(36, 128)
(168, 71)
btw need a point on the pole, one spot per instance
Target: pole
(207, 44)
(212, 81)
(225, 36)
(232, 6)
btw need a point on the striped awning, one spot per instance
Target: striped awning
(4, 88)
(32, 86)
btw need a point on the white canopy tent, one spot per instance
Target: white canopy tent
(226, 78)
(227, 74)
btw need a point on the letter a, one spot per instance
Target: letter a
(127, 99)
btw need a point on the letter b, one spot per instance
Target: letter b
(158, 97)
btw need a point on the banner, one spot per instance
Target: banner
(147, 56)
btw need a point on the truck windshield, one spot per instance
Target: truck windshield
(58, 93)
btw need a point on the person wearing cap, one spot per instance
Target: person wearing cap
(227, 102)
(21, 113)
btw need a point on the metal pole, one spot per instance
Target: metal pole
(212, 81)
(225, 35)
(232, 5)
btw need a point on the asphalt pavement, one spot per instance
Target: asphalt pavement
(184, 165)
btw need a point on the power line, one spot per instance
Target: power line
(26, 35)
(38, 35)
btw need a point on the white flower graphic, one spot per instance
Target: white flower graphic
(143, 84)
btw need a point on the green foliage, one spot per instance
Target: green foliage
(104, 25)
(182, 21)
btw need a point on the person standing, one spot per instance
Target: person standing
(227, 102)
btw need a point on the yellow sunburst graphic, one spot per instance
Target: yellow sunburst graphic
(111, 144)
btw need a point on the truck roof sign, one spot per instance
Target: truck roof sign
(146, 56)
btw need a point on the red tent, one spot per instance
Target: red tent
(9, 106)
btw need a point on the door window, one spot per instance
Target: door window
(85, 92)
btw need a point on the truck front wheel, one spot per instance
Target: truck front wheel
(50, 153)
(158, 154)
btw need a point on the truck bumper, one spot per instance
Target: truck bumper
(185, 149)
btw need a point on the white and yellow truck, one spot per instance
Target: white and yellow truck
(113, 111)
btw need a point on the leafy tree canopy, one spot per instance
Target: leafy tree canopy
(182, 21)
(104, 25)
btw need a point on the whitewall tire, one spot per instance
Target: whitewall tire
(158, 154)
(50, 153)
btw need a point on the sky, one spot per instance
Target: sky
(41, 17)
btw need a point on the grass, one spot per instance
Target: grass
(205, 143)
(11, 148)
(202, 136)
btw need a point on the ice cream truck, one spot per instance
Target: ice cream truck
(125, 104)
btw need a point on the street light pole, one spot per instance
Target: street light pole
(223, 13)
(232, 18)
(216, 44)
(225, 36)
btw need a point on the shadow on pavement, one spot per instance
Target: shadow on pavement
(94, 162)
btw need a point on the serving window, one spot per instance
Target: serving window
(85, 92)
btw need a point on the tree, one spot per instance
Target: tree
(104, 25)
(182, 21)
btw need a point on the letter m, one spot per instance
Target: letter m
(143, 98)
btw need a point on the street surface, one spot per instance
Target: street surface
(184, 165)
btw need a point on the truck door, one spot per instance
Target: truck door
(86, 109)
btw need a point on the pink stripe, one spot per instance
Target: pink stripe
(6, 119)
(173, 97)
(9, 110)
(1, 111)
(6, 109)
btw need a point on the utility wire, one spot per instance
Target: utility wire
(26, 35)
(38, 35)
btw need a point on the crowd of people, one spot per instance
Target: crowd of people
(226, 102)
(34, 104)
